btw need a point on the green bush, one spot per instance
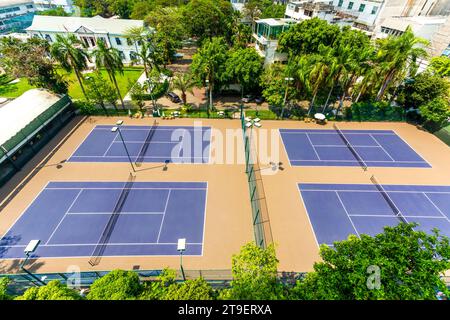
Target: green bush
(116, 285)
(158, 91)
(374, 111)
(54, 290)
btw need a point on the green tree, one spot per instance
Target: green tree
(440, 65)
(185, 83)
(254, 275)
(54, 290)
(241, 33)
(397, 56)
(157, 290)
(100, 91)
(169, 21)
(273, 10)
(70, 54)
(423, 88)
(137, 93)
(197, 289)
(58, 11)
(305, 37)
(274, 85)
(209, 63)
(3, 289)
(407, 263)
(109, 58)
(436, 113)
(207, 18)
(31, 59)
(244, 66)
(116, 285)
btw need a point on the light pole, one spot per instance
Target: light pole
(117, 129)
(250, 123)
(181, 247)
(29, 249)
(288, 80)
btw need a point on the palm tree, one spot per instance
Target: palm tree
(69, 52)
(185, 83)
(109, 58)
(396, 55)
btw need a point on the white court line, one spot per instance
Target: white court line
(65, 213)
(379, 161)
(346, 212)
(312, 145)
(284, 147)
(79, 145)
(367, 191)
(143, 142)
(383, 148)
(204, 217)
(164, 215)
(342, 146)
(108, 213)
(157, 157)
(391, 216)
(436, 206)
(307, 215)
(132, 188)
(347, 133)
(110, 145)
(94, 244)
(414, 150)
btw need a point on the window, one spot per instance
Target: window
(374, 10)
(118, 42)
(129, 42)
(29, 6)
(340, 3)
(122, 55)
(361, 7)
(350, 5)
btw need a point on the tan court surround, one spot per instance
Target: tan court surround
(228, 213)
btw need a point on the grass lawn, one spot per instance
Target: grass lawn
(130, 73)
(13, 90)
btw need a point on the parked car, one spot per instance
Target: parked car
(259, 100)
(248, 98)
(173, 97)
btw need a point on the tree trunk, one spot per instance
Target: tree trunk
(183, 97)
(102, 104)
(312, 102)
(328, 98)
(118, 91)
(385, 85)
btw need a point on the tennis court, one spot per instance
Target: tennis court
(338, 210)
(176, 144)
(71, 218)
(368, 148)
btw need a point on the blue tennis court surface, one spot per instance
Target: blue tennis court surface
(69, 218)
(338, 210)
(377, 148)
(178, 144)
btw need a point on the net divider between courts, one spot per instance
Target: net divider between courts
(388, 199)
(144, 148)
(109, 227)
(260, 215)
(350, 147)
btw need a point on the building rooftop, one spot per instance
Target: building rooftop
(96, 24)
(401, 23)
(276, 22)
(10, 3)
(17, 114)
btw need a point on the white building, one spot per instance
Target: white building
(15, 15)
(42, 5)
(266, 33)
(89, 31)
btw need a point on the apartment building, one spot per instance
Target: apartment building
(89, 31)
(42, 5)
(16, 15)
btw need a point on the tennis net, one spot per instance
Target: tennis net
(350, 147)
(144, 148)
(386, 197)
(107, 231)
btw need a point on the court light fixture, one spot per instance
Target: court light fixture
(29, 249)
(181, 247)
(116, 129)
(119, 122)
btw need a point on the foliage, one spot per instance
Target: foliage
(423, 88)
(116, 285)
(3, 288)
(254, 275)
(440, 65)
(54, 290)
(209, 62)
(137, 95)
(30, 59)
(85, 107)
(410, 265)
(168, 21)
(306, 36)
(185, 83)
(157, 290)
(244, 66)
(374, 111)
(197, 289)
(206, 19)
(273, 84)
(58, 11)
(436, 113)
(100, 91)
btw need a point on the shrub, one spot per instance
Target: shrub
(116, 285)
